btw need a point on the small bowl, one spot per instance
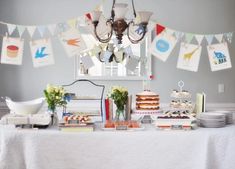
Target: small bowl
(24, 108)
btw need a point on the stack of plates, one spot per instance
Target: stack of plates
(228, 116)
(212, 120)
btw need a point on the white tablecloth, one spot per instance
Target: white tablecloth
(152, 149)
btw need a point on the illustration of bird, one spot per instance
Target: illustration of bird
(188, 56)
(73, 42)
(40, 53)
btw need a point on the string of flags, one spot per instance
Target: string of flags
(74, 44)
(190, 53)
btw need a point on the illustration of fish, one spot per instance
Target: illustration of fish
(219, 57)
(73, 42)
(40, 53)
(188, 56)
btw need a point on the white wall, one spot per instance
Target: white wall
(198, 16)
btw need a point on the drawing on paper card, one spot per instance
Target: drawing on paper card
(73, 42)
(219, 58)
(188, 56)
(40, 53)
(162, 45)
(12, 51)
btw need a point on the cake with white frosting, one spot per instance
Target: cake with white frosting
(147, 100)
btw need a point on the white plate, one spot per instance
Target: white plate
(208, 115)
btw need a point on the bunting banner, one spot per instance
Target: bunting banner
(42, 53)
(12, 51)
(31, 30)
(72, 42)
(199, 39)
(219, 56)
(189, 57)
(219, 37)
(162, 46)
(11, 28)
(20, 29)
(41, 30)
(189, 37)
(159, 29)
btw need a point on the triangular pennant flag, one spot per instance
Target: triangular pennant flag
(199, 38)
(11, 28)
(219, 37)
(189, 37)
(209, 38)
(31, 30)
(20, 29)
(229, 37)
(72, 23)
(159, 29)
(52, 28)
(41, 30)
(170, 31)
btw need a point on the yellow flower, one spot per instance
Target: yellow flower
(49, 88)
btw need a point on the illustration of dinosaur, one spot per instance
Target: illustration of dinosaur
(219, 57)
(73, 42)
(40, 53)
(188, 56)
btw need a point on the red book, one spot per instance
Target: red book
(107, 109)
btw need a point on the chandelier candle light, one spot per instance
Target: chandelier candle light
(118, 23)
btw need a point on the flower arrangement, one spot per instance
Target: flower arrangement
(120, 96)
(55, 96)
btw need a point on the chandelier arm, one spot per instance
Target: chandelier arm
(128, 33)
(109, 34)
(133, 6)
(99, 57)
(112, 11)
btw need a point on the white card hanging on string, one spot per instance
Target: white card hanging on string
(31, 30)
(11, 28)
(41, 30)
(219, 56)
(189, 57)
(20, 29)
(162, 46)
(209, 39)
(136, 31)
(52, 28)
(199, 38)
(229, 37)
(132, 63)
(128, 50)
(41, 52)
(72, 42)
(87, 61)
(219, 37)
(12, 51)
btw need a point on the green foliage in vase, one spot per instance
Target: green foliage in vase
(119, 95)
(55, 96)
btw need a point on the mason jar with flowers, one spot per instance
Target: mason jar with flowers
(55, 96)
(119, 95)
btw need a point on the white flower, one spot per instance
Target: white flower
(49, 88)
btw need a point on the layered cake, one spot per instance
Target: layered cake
(147, 100)
(175, 120)
(12, 51)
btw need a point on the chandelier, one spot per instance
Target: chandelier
(119, 25)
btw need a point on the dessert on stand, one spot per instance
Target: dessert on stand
(147, 106)
(180, 112)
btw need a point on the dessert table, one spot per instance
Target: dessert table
(203, 148)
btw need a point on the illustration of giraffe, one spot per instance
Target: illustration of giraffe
(188, 56)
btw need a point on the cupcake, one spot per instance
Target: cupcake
(12, 51)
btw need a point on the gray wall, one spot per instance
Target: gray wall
(199, 16)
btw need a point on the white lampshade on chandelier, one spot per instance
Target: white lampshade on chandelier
(118, 23)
